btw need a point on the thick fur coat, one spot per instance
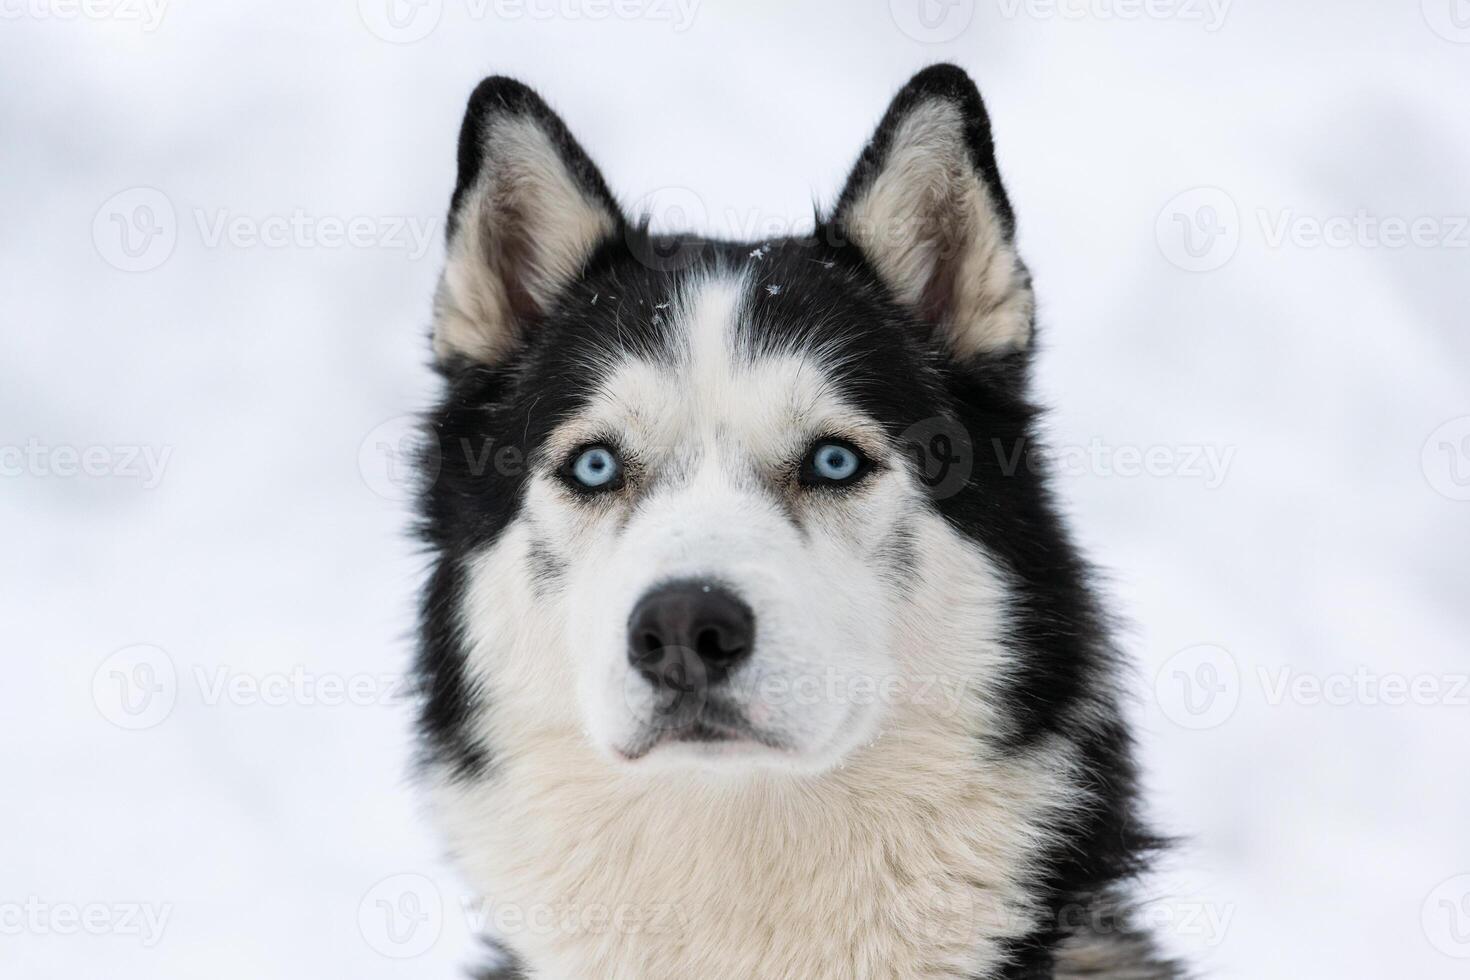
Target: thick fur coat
(908, 759)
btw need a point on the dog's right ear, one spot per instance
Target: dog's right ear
(926, 206)
(529, 209)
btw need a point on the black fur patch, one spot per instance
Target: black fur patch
(448, 700)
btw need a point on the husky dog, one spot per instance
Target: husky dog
(753, 645)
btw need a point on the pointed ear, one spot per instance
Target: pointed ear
(529, 209)
(926, 207)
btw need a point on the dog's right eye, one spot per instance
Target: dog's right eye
(593, 469)
(833, 463)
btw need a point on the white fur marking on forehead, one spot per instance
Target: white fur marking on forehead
(710, 320)
(722, 382)
(763, 403)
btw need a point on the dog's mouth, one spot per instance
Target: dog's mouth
(716, 726)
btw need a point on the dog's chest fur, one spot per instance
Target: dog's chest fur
(899, 871)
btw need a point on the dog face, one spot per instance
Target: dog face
(732, 525)
(684, 497)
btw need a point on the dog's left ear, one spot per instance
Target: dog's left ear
(926, 207)
(528, 211)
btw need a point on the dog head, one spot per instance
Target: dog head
(722, 503)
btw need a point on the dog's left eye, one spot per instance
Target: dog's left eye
(593, 468)
(833, 463)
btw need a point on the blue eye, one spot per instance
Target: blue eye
(594, 468)
(833, 463)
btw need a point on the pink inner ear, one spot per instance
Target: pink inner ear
(514, 255)
(937, 297)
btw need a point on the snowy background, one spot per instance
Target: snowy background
(1247, 223)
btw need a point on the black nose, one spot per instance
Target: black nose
(685, 635)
